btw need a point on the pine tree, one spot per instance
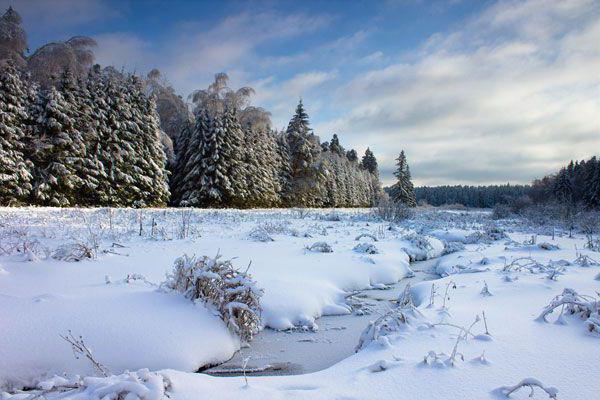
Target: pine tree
(150, 160)
(563, 189)
(284, 169)
(352, 156)
(306, 175)
(223, 178)
(97, 188)
(369, 162)
(15, 175)
(403, 190)
(260, 166)
(335, 147)
(61, 153)
(592, 183)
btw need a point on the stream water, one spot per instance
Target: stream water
(297, 352)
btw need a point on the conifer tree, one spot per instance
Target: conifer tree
(403, 190)
(369, 162)
(351, 155)
(334, 145)
(15, 175)
(592, 183)
(150, 159)
(260, 166)
(61, 153)
(305, 172)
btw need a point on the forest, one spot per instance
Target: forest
(575, 184)
(76, 134)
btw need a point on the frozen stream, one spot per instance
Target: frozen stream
(297, 352)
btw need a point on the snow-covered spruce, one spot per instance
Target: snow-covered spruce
(216, 282)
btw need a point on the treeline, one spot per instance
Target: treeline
(92, 142)
(578, 183)
(470, 196)
(73, 134)
(232, 157)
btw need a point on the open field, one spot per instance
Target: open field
(98, 274)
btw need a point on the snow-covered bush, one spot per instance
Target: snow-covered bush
(332, 217)
(320, 247)
(390, 211)
(422, 247)
(570, 302)
(73, 252)
(377, 331)
(490, 234)
(230, 291)
(367, 248)
(452, 247)
(548, 246)
(259, 234)
(137, 385)
(391, 322)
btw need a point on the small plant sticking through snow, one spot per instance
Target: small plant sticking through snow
(444, 360)
(485, 291)
(320, 247)
(531, 383)
(230, 291)
(585, 261)
(81, 350)
(570, 302)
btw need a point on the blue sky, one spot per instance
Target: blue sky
(474, 91)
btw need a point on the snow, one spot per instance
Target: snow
(133, 325)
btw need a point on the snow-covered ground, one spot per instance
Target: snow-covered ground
(114, 303)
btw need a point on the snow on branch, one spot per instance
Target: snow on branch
(570, 302)
(530, 383)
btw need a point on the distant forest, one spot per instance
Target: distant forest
(469, 196)
(577, 183)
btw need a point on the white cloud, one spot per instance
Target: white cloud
(505, 97)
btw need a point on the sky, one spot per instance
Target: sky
(475, 92)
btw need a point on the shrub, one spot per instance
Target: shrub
(390, 211)
(230, 291)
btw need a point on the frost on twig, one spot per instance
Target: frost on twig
(81, 350)
(570, 302)
(530, 383)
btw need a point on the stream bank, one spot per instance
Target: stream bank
(297, 351)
